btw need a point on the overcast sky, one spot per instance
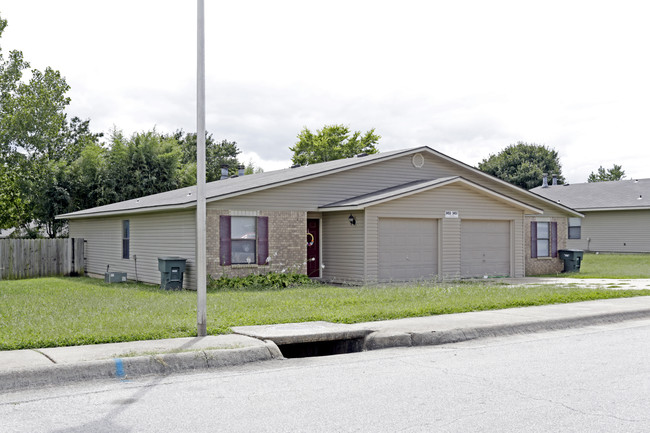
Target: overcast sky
(466, 78)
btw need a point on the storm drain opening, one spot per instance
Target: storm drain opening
(321, 348)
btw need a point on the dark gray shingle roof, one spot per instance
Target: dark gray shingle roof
(620, 194)
(384, 194)
(186, 197)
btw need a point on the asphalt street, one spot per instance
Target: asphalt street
(590, 379)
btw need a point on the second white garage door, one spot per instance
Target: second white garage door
(408, 249)
(485, 248)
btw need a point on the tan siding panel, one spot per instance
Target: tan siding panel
(450, 248)
(343, 255)
(152, 236)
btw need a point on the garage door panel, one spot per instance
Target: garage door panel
(408, 249)
(485, 248)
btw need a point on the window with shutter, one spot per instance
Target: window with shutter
(243, 240)
(543, 239)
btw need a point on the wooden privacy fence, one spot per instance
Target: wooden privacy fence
(31, 258)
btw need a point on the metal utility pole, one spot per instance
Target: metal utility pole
(201, 279)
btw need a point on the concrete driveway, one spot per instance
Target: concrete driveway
(589, 283)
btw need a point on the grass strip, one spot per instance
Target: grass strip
(49, 312)
(626, 266)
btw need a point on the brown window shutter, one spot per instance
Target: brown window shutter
(262, 240)
(554, 239)
(533, 239)
(225, 253)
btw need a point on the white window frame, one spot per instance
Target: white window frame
(545, 237)
(241, 240)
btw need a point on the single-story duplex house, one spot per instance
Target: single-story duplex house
(392, 216)
(616, 214)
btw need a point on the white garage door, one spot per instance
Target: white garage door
(408, 249)
(485, 248)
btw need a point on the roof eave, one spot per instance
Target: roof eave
(342, 208)
(148, 209)
(606, 209)
(396, 195)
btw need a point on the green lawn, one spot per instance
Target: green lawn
(613, 266)
(50, 312)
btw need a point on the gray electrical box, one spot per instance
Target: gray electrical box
(115, 277)
(171, 272)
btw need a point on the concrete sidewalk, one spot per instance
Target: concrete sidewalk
(22, 369)
(587, 283)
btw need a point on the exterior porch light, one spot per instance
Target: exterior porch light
(352, 220)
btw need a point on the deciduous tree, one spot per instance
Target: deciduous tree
(332, 142)
(12, 207)
(147, 163)
(216, 154)
(523, 164)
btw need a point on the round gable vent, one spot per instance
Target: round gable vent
(418, 160)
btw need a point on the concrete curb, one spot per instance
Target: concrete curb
(61, 366)
(132, 367)
(389, 339)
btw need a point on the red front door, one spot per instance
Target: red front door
(313, 248)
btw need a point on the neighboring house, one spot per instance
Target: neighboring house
(616, 214)
(392, 216)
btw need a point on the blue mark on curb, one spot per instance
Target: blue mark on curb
(119, 368)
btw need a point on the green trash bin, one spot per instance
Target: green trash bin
(572, 259)
(171, 272)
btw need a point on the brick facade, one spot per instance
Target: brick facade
(287, 244)
(546, 265)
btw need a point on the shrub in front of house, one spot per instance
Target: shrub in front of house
(268, 281)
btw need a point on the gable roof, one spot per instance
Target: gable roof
(185, 198)
(404, 190)
(611, 195)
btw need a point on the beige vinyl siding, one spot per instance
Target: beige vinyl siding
(450, 248)
(614, 231)
(152, 235)
(343, 247)
(470, 204)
